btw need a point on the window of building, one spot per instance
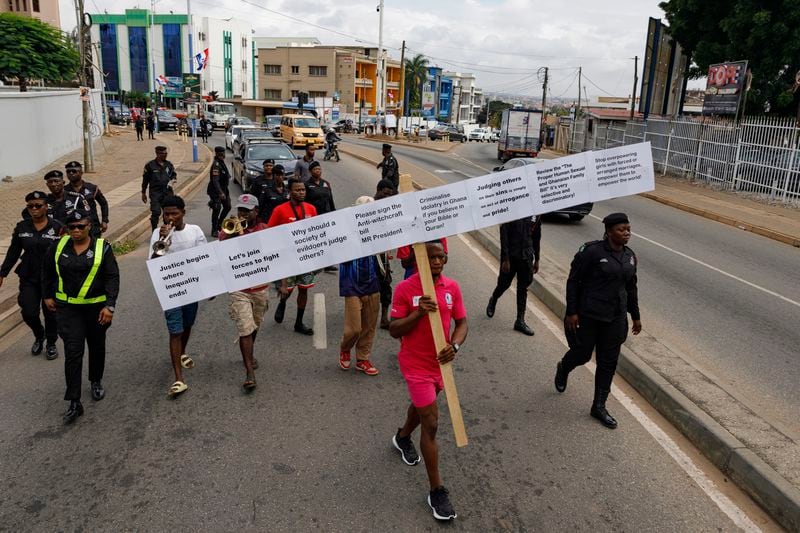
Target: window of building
(35, 4)
(295, 93)
(108, 51)
(272, 70)
(317, 94)
(172, 50)
(314, 70)
(137, 44)
(295, 69)
(11, 5)
(272, 94)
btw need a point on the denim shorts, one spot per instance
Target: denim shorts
(181, 318)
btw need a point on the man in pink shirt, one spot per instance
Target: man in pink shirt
(419, 365)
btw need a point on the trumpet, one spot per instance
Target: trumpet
(234, 225)
(161, 246)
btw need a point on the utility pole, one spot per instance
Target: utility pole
(402, 95)
(153, 62)
(381, 71)
(195, 156)
(578, 109)
(544, 93)
(106, 126)
(88, 155)
(635, 83)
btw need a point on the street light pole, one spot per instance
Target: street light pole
(153, 62)
(195, 155)
(88, 156)
(381, 70)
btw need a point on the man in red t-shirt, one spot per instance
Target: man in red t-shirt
(293, 210)
(248, 306)
(406, 256)
(419, 365)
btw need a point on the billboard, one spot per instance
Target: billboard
(191, 87)
(663, 72)
(428, 103)
(174, 87)
(724, 87)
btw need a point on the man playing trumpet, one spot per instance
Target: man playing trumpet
(247, 306)
(175, 235)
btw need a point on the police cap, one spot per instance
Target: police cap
(54, 174)
(219, 149)
(278, 169)
(78, 215)
(615, 218)
(313, 165)
(387, 146)
(35, 195)
(73, 164)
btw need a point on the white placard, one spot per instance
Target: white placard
(622, 171)
(562, 182)
(386, 224)
(256, 258)
(445, 210)
(499, 197)
(323, 240)
(187, 276)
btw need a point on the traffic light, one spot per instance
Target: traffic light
(302, 100)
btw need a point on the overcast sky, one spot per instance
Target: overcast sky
(504, 42)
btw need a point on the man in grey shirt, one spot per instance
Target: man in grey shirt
(301, 170)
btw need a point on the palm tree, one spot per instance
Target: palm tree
(416, 76)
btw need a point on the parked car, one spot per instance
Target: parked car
(248, 164)
(235, 120)
(456, 133)
(494, 136)
(166, 121)
(576, 212)
(421, 128)
(233, 133)
(345, 126)
(246, 134)
(118, 113)
(273, 123)
(479, 134)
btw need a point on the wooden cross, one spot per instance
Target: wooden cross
(439, 340)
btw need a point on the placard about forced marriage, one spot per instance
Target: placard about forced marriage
(386, 224)
(445, 210)
(255, 258)
(500, 197)
(622, 171)
(187, 276)
(320, 241)
(561, 182)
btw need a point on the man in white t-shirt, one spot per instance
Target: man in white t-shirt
(180, 319)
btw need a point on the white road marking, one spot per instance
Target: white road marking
(731, 510)
(715, 269)
(444, 171)
(320, 322)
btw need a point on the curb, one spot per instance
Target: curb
(10, 318)
(730, 221)
(760, 481)
(410, 145)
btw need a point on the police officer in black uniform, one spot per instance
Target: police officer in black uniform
(601, 290)
(61, 201)
(520, 242)
(390, 170)
(32, 238)
(258, 186)
(276, 194)
(219, 198)
(159, 176)
(80, 281)
(91, 193)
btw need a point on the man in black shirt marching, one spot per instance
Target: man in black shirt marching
(520, 242)
(91, 193)
(219, 197)
(390, 170)
(159, 175)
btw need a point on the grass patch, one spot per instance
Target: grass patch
(124, 247)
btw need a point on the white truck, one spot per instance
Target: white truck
(520, 134)
(218, 112)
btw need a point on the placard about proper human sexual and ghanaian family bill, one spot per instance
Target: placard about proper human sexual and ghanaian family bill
(264, 256)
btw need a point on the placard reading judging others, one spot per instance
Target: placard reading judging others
(264, 256)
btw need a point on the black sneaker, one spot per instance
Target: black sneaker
(439, 501)
(38, 346)
(406, 448)
(52, 352)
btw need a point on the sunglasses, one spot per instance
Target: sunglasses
(36, 206)
(77, 226)
(73, 170)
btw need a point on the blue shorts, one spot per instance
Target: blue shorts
(181, 318)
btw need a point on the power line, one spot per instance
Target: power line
(596, 86)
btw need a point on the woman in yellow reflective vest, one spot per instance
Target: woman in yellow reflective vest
(81, 283)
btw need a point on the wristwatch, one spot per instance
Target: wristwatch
(456, 347)
(110, 308)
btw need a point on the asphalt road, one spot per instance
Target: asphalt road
(310, 448)
(728, 300)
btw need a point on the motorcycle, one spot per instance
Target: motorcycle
(331, 151)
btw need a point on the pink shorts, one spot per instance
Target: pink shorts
(423, 388)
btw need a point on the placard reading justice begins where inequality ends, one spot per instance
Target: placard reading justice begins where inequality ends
(264, 256)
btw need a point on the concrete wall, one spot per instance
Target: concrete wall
(42, 126)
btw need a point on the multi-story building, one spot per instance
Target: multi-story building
(346, 74)
(437, 93)
(137, 47)
(44, 10)
(467, 98)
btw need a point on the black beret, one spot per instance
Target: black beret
(313, 164)
(78, 215)
(270, 161)
(387, 146)
(616, 218)
(35, 195)
(278, 169)
(73, 164)
(219, 149)
(54, 174)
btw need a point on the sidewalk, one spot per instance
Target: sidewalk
(118, 163)
(416, 142)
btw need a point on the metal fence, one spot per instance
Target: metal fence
(760, 155)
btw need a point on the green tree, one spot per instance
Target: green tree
(33, 50)
(136, 99)
(766, 33)
(496, 108)
(416, 75)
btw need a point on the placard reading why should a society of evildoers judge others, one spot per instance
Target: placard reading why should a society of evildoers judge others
(264, 256)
